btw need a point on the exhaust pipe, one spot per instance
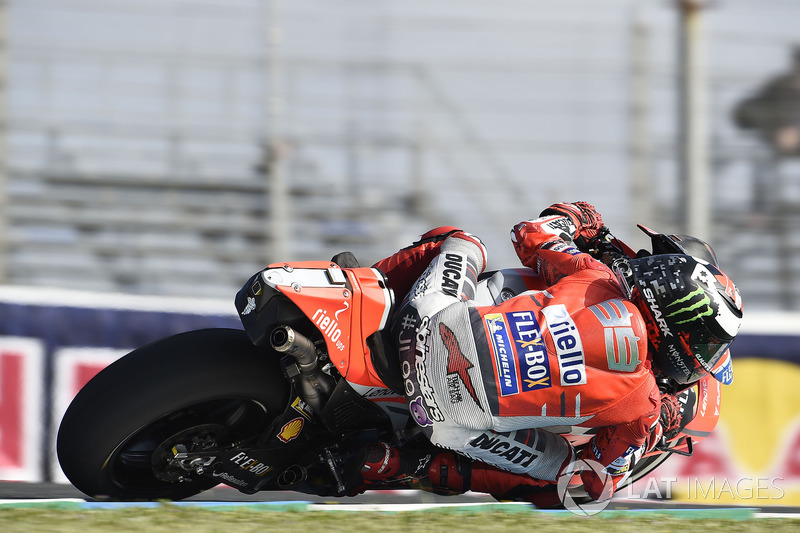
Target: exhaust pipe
(292, 476)
(315, 385)
(286, 340)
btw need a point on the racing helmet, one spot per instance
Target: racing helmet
(680, 244)
(693, 312)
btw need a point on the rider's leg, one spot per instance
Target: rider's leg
(451, 472)
(442, 375)
(403, 268)
(420, 337)
(447, 472)
(535, 453)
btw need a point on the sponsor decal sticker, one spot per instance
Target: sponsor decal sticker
(230, 479)
(329, 326)
(453, 274)
(652, 303)
(568, 345)
(506, 448)
(561, 227)
(418, 412)
(458, 366)
(675, 356)
(254, 466)
(621, 464)
(696, 306)
(415, 375)
(504, 354)
(303, 408)
(250, 307)
(534, 364)
(291, 429)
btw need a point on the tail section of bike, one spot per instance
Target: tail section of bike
(342, 308)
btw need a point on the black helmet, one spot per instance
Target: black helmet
(693, 312)
(680, 244)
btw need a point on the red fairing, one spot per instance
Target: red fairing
(347, 306)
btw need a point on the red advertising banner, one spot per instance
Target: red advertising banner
(22, 394)
(74, 367)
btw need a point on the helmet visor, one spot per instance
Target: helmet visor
(708, 354)
(705, 354)
(687, 363)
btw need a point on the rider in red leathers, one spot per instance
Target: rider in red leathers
(499, 384)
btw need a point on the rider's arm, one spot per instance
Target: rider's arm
(545, 245)
(548, 244)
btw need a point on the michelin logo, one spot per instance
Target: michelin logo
(504, 354)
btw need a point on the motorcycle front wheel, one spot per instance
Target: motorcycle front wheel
(202, 389)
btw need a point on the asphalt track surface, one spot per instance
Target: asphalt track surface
(10, 490)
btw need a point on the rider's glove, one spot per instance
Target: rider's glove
(668, 424)
(670, 418)
(583, 216)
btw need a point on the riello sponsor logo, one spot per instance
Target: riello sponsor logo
(328, 325)
(567, 342)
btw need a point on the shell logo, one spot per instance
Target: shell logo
(291, 430)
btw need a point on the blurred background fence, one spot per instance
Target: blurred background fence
(150, 143)
(174, 147)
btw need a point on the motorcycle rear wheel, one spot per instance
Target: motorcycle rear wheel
(207, 388)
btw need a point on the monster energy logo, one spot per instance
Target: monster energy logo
(701, 308)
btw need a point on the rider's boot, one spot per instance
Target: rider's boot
(381, 463)
(384, 462)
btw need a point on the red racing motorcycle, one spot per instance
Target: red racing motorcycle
(290, 400)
